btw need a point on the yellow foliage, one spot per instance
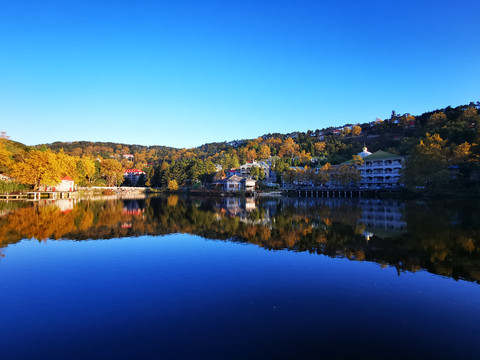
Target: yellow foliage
(5, 160)
(172, 200)
(289, 148)
(112, 171)
(172, 185)
(39, 168)
(320, 146)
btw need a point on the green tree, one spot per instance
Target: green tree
(427, 165)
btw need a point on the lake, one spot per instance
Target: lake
(229, 278)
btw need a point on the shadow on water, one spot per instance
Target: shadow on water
(440, 237)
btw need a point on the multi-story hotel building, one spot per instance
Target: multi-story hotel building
(380, 169)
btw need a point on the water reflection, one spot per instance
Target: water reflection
(442, 238)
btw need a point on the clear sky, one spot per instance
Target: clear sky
(184, 73)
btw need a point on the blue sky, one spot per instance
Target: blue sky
(184, 73)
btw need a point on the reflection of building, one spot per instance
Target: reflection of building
(250, 204)
(132, 207)
(380, 169)
(232, 206)
(65, 205)
(382, 214)
(245, 210)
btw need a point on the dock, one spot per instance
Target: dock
(37, 195)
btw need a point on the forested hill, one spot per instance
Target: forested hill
(397, 134)
(441, 147)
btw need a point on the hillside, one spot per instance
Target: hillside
(441, 147)
(397, 135)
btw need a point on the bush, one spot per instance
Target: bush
(172, 185)
(8, 187)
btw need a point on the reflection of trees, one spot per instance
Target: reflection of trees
(442, 239)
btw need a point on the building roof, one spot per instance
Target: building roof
(364, 152)
(134, 171)
(67, 178)
(234, 178)
(381, 155)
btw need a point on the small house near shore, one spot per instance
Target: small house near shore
(235, 183)
(67, 184)
(4, 177)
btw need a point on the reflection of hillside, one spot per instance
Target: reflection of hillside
(409, 236)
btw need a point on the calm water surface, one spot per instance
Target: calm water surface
(197, 278)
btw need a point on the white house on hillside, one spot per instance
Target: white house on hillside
(246, 169)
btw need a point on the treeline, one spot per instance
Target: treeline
(442, 147)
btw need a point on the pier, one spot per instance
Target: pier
(37, 195)
(315, 192)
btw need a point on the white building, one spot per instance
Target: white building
(4, 177)
(380, 169)
(67, 184)
(236, 183)
(364, 153)
(245, 170)
(133, 175)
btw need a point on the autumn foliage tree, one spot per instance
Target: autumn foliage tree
(38, 168)
(112, 171)
(5, 155)
(289, 148)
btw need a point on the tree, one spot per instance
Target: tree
(405, 120)
(88, 166)
(289, 148)
(346, 131)
(264, 152)
(68, 165)
(142, 179)
(5, 156)
(461, 153)
(251, 154)
(345, 175)
(172, 185)
(356, 130)
(112, 171)
(437, 119)
(305, 157)
(150, 171)
(257, 173)
(427, 165)
(38, 168)
(357, 160)
(469, 114)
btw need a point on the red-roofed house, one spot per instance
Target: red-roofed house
(133, 175)
(66, 184)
